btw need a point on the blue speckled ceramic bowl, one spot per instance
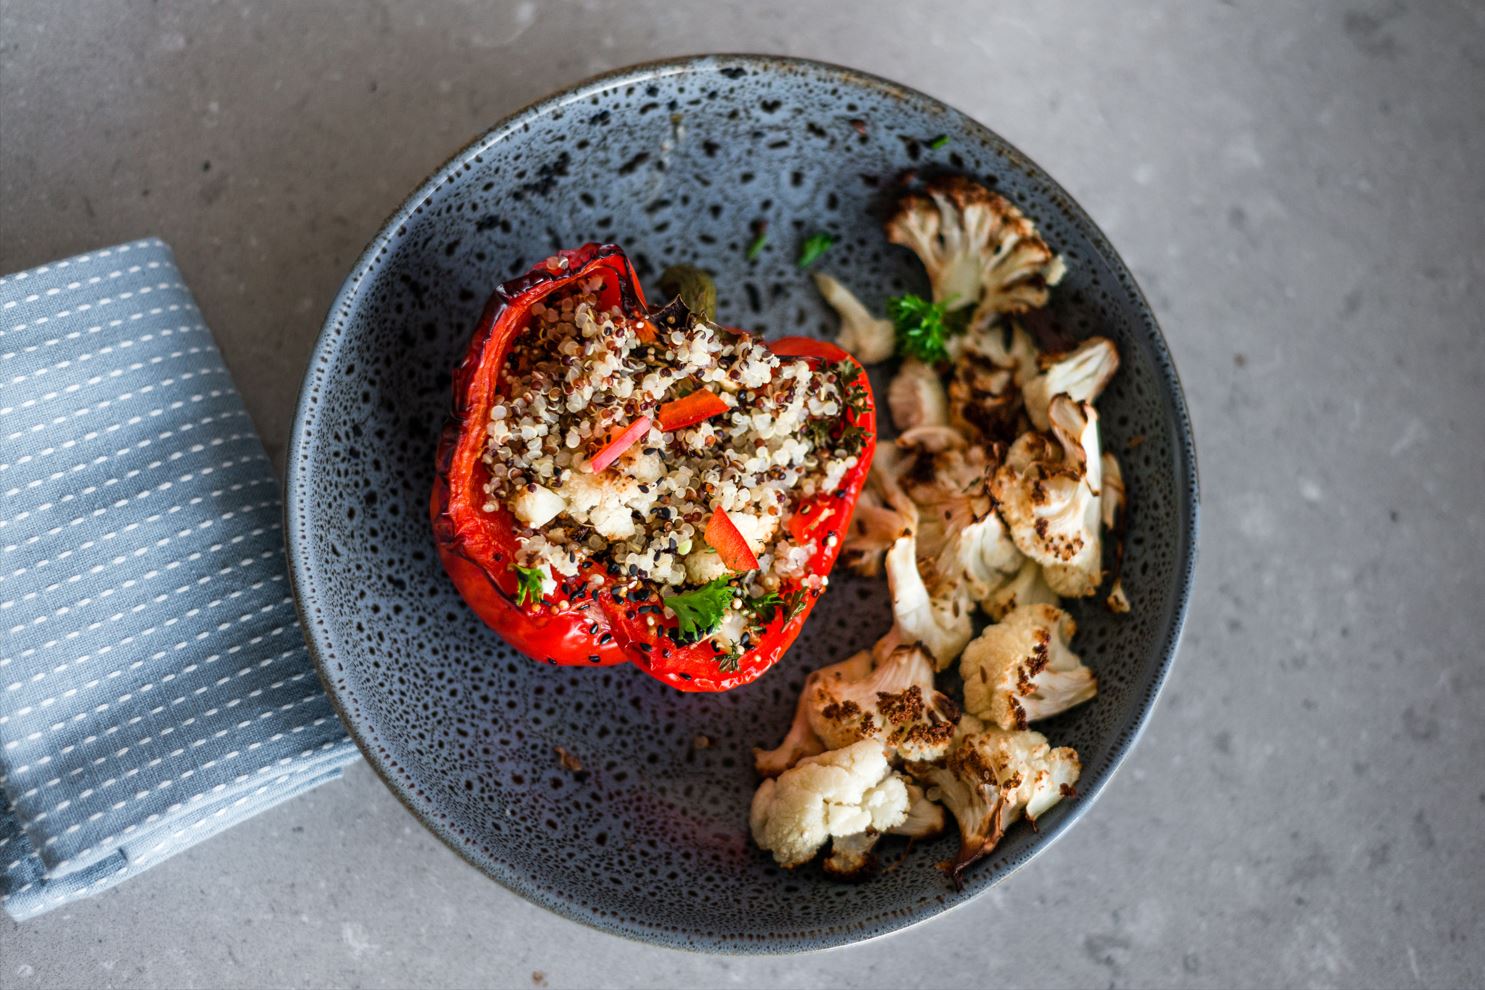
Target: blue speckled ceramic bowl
(675, 161)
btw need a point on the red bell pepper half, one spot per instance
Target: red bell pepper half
(576, 624)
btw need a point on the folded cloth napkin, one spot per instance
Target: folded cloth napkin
(154, 685)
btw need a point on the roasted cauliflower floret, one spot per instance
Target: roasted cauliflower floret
(925, 818)
(982, 556)
(1003, 345)
(1022, 670)
(1048, 493)
(1026, 587)
(980, 251)
(854, 855)
(895, 704)
(991, 364)
(874, 527)
(950, 487)
(867, 338)
(1081, 374)
(883, 513)
(991, 780)
(801, 740)
(1111, 498)
(941, 624)
(916, 397)
(843, 792)
(1111, 504)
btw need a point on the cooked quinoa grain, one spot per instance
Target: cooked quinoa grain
(580, 375)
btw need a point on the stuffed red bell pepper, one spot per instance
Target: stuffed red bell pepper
(624, 484)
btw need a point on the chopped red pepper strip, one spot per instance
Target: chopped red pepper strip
(702, 404)
(631, 435)
(723, 536)
(595, 622)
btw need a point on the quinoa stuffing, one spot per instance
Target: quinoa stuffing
(630, 442)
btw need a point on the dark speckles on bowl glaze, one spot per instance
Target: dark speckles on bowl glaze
(675, 161)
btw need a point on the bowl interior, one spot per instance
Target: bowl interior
(675, 162)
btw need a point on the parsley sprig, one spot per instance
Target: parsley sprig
(923, 327)
(698, 613)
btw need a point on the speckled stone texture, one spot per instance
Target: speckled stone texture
(1298, 190)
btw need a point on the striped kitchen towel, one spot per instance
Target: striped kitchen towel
(154, 685)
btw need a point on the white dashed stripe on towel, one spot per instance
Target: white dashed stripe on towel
(154, 686)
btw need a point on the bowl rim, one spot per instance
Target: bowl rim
(301, 567)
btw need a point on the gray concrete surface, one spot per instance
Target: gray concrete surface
(1299, 187)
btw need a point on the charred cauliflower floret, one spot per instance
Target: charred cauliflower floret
(982, 556)
(843, 792)
(1022, 670)
(895, 704)
(950, 488)
(867, 338)
(1111, 491)
(941, 624)
(1081, 374)
(1048, 492)
(1112, 501)
(980, 251)
(1026, 587)
(874, 527)
(925, 817)
(801, 740)
(991, 780)
(916, 397)
(883, 513)
(991, 365)
(854, 855)
(1004, 345)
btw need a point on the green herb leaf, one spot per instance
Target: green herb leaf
(756, 248)
(923, 327)
(529, 582)
(765, 607)
(814, 246)
(852, 440)
(795, 601)
(819, 431)
(728, 663)
(853, 394)
(939, 142)
(698, 613)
